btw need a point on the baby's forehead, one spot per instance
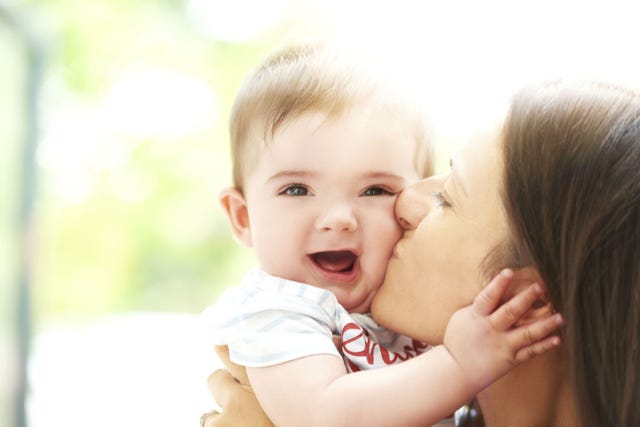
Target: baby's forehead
(393, 114)
(397, 117)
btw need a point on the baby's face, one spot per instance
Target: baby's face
(321, 201)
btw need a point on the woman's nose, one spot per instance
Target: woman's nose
(339, 217)
(415, 202)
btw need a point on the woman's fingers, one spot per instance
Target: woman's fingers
(209, 419)
(222, 387)
(489, 297)
(533, 338)
(240, 408)
(239, 372)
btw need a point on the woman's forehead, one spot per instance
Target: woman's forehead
(477, 162)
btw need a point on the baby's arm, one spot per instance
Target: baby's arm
(315, 390)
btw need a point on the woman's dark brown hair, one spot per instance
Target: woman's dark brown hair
(572, 196)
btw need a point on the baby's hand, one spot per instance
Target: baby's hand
(486, 342)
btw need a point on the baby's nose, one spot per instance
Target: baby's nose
(339, 217)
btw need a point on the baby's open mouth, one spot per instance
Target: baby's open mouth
(335, 261)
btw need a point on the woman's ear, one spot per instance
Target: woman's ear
(235, 206)
(522, 279)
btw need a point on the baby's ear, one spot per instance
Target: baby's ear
(522, 279)
(235, 206)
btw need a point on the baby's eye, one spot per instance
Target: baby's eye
(377, 191)
(440, 200)
(295, 190)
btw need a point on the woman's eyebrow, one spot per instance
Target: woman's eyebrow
(456, 179)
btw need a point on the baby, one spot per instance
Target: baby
(321, 150)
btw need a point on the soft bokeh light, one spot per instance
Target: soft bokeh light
(75, 149)
(466, 57)
(133, 385)
(237, 21)
(160, 104)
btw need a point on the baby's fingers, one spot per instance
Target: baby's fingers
(533, 339)
(509, 312)
(489, 297)
(536, 349)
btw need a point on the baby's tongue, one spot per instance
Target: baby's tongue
(335, 261)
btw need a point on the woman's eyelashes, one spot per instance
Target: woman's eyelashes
(440, 200)
(295, 190)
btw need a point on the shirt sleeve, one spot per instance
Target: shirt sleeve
(266, 328)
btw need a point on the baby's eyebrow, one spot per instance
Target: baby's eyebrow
(383, 175)
(291, 174)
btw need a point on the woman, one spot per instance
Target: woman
(555, 192)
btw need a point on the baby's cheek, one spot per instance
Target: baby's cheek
(391, 224)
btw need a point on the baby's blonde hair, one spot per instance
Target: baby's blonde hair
(310, 78)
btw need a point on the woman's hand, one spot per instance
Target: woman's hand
(231, 389)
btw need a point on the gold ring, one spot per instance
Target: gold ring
(203, 417)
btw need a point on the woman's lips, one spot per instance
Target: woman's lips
(339, 266)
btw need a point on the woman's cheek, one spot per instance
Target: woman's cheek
(385, 306)
(392, 304)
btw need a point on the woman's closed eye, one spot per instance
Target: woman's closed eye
(377, 190)
(295, 190)
(440, 200)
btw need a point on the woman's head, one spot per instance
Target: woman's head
(452, 223)
(556, 188)
(572, 196)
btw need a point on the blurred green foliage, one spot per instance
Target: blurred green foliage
(10, 104)
(144, 232)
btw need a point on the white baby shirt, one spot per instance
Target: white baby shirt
(269, 320)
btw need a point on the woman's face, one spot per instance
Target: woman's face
(452, 222)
